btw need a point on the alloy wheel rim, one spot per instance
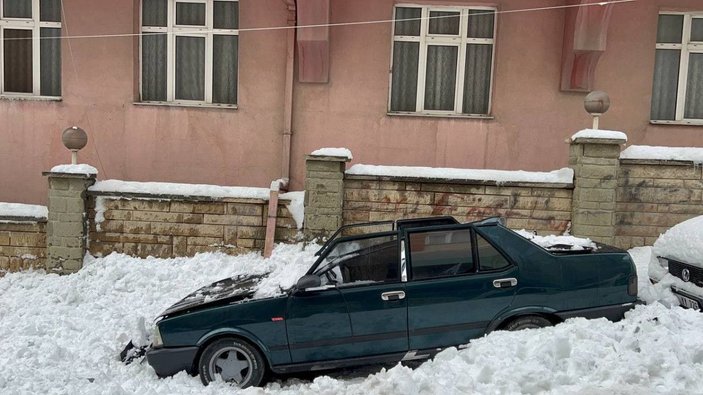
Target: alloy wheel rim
(232, 365)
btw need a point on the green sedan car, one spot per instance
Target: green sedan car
(389, 291)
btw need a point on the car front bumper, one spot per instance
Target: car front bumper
(169, 361)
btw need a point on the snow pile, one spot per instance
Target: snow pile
(88, 170)
(166, 188)
(554, 242)
(341, 152)
(646, 291)
(562, 176)
(23, 210)
(599, 134)
(648, 152)
(296, 206)
(683, 242)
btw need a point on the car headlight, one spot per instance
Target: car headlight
(663, 263)
(156, 338)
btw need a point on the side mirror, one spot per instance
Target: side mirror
(308, 281)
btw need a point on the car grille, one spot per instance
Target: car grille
(696, 273)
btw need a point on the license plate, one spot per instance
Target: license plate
(688, 302)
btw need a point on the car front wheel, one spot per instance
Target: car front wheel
(233, 361)
(528, 322)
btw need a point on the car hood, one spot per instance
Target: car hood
(225, 291)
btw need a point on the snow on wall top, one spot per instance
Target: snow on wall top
(693, 154)
(562, 176)
(166, 188)
(599, 134)
(23, 210)
(75, 169)
(683, 242)
(341, 152)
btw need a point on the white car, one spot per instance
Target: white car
(677, 260)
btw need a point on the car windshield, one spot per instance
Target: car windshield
(358, 261)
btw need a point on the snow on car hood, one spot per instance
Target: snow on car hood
(683, 242)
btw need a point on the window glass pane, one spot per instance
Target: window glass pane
(440, 80)
(154, 67)
(488, 257)
(226, 15)
(362, 261)
(154, 12)
(694, 87)
(670, 29)
(50, 10)
(407, 28)
(50, 55)
(404, 81)
(440, 253)
(18, 60)
(224, 69)
(190, 68)
(481, 24)
(697, 29)
(190, 14)
(477, 78)
(17, 8)
(442, 22)
(665, 86)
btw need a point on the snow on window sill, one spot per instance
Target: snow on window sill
(439, 115)
(186, 104)
(28, 97)
(685, 122)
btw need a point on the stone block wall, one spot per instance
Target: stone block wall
(654, 195)
(545, 208)
(181, 227)
(22, 245)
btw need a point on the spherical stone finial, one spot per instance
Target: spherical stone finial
(74, 138)
(596, 102)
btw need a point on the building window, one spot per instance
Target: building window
(30, 56)
(442, 60)
(189, 51)
(677, 92)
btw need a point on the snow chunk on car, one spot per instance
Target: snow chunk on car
(559, 243)
(683, 242)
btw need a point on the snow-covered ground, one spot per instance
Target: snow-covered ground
(62, 335)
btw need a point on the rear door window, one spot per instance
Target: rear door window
(440, 253)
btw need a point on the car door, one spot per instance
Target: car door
(361, 284)
(450, 299)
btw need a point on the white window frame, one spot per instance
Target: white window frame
(687, 48)
(172, 30)
(34, 24)
(425, 39)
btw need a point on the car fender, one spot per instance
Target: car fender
(237, 332)
(525, 310)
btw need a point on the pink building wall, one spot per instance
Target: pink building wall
(532, 117)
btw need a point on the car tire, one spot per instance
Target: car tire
(528, 322)
(232, 360)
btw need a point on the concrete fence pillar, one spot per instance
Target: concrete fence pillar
(66, 231)
(595, 162)
(324, 194)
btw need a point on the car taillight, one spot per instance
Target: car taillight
(632, 285)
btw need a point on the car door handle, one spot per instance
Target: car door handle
(394, 295)
(505, 282)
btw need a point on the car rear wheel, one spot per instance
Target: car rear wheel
(233, 361)
(528, 322)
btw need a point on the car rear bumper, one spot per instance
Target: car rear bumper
(169, 361)
(613, 312)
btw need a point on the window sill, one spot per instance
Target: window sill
(187, 105)
(687, 122)
(434, 115)
(29, 98)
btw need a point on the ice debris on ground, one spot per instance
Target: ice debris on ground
(554, 242)
(62, 335)
(599, 134)
(82, 168)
